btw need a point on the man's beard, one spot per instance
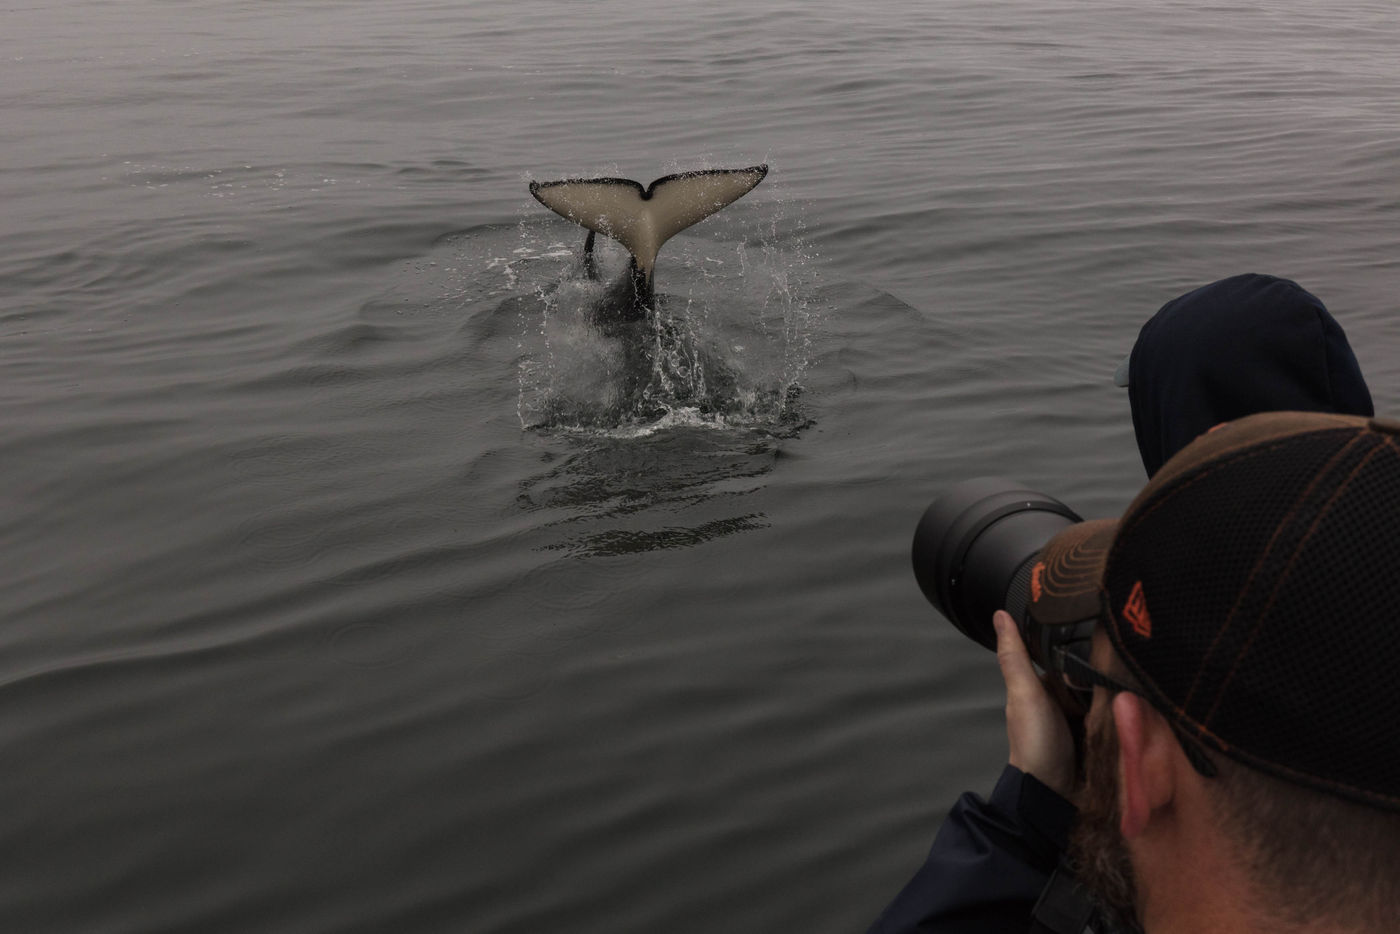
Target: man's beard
(1097, 850)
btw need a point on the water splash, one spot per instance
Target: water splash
(726, 348)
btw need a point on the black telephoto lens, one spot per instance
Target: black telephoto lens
(974, 550)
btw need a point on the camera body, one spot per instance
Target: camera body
(974, 552)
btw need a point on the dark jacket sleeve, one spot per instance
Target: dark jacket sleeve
(988, 863)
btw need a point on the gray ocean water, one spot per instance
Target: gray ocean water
(335, 598)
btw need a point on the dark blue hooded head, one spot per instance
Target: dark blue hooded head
(1242, 345)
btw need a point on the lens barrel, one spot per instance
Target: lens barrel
(974, 549)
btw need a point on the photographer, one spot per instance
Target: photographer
(1240, 771)
(1241, 345)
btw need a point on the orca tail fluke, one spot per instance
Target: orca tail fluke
(643, 219)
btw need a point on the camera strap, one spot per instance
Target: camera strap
(1064, 906)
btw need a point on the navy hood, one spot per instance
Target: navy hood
(1242, 345)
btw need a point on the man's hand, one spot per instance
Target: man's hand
(1036, 729)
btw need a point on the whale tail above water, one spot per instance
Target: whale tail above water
(642, 219)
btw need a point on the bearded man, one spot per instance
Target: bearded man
(1241, 771)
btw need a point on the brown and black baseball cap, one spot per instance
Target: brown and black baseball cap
(1253, 589)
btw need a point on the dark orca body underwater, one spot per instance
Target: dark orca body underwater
(642, 220)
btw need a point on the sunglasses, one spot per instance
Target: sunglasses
(1081, 678)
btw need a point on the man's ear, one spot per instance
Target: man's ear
(1146, 770)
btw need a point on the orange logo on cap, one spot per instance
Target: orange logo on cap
(1035, 580)
(1135, 612)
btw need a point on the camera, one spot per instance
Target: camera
(974, 551)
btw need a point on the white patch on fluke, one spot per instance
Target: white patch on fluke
(643, 219)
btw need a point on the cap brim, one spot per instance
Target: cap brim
(1120, 375)
(1067, 580)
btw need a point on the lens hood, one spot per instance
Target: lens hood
(974, 548)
